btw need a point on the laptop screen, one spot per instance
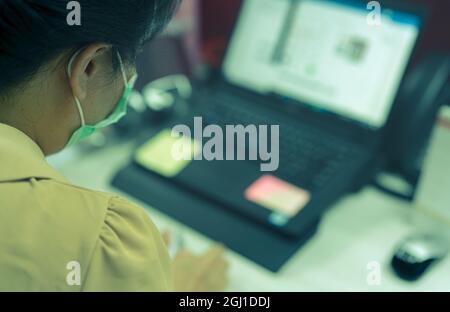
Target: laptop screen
(331, 54)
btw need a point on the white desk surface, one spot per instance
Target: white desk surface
(360, 229)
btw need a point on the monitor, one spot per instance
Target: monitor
(323, 53)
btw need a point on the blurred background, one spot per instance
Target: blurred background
(213, 24)
(367, 241)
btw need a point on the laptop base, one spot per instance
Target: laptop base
(255, 242)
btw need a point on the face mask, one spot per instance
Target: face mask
(119, 112)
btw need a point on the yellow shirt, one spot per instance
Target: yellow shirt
(58, 237)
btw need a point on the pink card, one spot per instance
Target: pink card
(277, 195)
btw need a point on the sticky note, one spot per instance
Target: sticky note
(167, 155)
(277, 195)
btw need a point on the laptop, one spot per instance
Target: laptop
(327, 73)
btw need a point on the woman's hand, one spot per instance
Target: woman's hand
(201, 273)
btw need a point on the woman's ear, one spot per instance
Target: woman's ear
(84, 67)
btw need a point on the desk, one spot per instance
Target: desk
(359, 229)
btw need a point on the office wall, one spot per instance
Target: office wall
(437, 33)
(217, 20)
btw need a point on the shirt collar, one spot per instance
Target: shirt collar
(21, 158)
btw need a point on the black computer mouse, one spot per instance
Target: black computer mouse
(417, 254)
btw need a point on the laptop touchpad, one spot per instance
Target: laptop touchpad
(225, 182)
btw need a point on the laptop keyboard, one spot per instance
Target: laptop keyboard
(308, 156)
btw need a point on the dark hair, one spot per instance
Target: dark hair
(32, 32)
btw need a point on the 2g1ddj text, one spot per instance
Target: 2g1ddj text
(226, 302)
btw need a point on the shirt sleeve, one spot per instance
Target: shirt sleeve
(130, 254)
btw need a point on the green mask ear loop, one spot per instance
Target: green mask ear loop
(119, 112)
(69, 73)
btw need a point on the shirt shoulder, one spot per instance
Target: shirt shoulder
(54, 225)
(143, 264)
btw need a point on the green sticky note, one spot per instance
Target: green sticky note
(167, 155)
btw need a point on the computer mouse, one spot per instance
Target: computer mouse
(417, 254)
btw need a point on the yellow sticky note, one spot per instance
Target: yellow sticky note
(167, 155)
